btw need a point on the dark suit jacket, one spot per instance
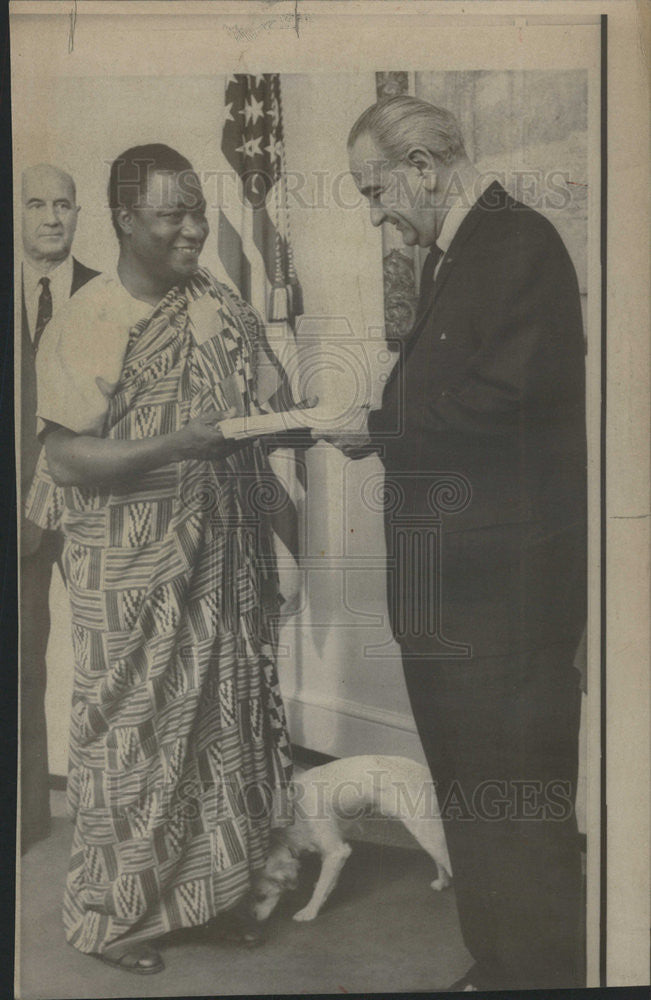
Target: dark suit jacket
(490, 389)
(30, 446)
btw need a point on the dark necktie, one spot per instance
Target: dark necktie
(431, 264)
(44, 314)
(427, 278)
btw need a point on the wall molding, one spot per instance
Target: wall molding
(341, 727)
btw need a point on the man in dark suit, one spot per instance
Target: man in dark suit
(50, 275)
(482, 434)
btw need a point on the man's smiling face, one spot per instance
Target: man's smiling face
(396, 195)
(169, 227)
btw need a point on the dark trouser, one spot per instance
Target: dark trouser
(501, 738)
(36, 575)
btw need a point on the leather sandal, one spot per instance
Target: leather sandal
(142, 960)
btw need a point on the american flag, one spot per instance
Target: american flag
(255, 251)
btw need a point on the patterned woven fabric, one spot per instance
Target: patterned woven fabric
(179, 755)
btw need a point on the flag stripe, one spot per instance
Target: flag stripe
(231, 253)
(264, 237)
(256, 256)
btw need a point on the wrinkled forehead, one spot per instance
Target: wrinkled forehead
(166, 189)
(368, 164)
(47, 184)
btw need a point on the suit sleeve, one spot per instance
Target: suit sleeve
(531, 354)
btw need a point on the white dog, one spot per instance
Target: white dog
(327, 800)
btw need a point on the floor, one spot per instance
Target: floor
(382, 930)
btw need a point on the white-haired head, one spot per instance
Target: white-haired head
(397, 124)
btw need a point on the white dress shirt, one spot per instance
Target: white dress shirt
(60, 288)
(456, 214)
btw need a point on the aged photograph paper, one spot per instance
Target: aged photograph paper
(315, 329)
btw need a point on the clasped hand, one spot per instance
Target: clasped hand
(348, 441)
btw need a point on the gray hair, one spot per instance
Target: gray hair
(397, 124)
(50, 168)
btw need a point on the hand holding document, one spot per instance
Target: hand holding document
(319, 417)
(346, 431)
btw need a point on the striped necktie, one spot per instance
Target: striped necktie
(44, 314)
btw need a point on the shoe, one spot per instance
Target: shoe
(467, 983)
(142, 960)
(463, 985)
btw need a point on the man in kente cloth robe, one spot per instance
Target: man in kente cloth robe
(179, 755)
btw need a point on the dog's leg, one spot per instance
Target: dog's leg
(443, 880)
(331, 867)
(426, 828)
(430, 835)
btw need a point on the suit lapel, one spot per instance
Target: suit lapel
(77, 276)
(80, 275)
(493, 197)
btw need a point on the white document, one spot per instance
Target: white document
(320, 417)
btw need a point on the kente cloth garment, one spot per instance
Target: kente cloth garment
(179, 755)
